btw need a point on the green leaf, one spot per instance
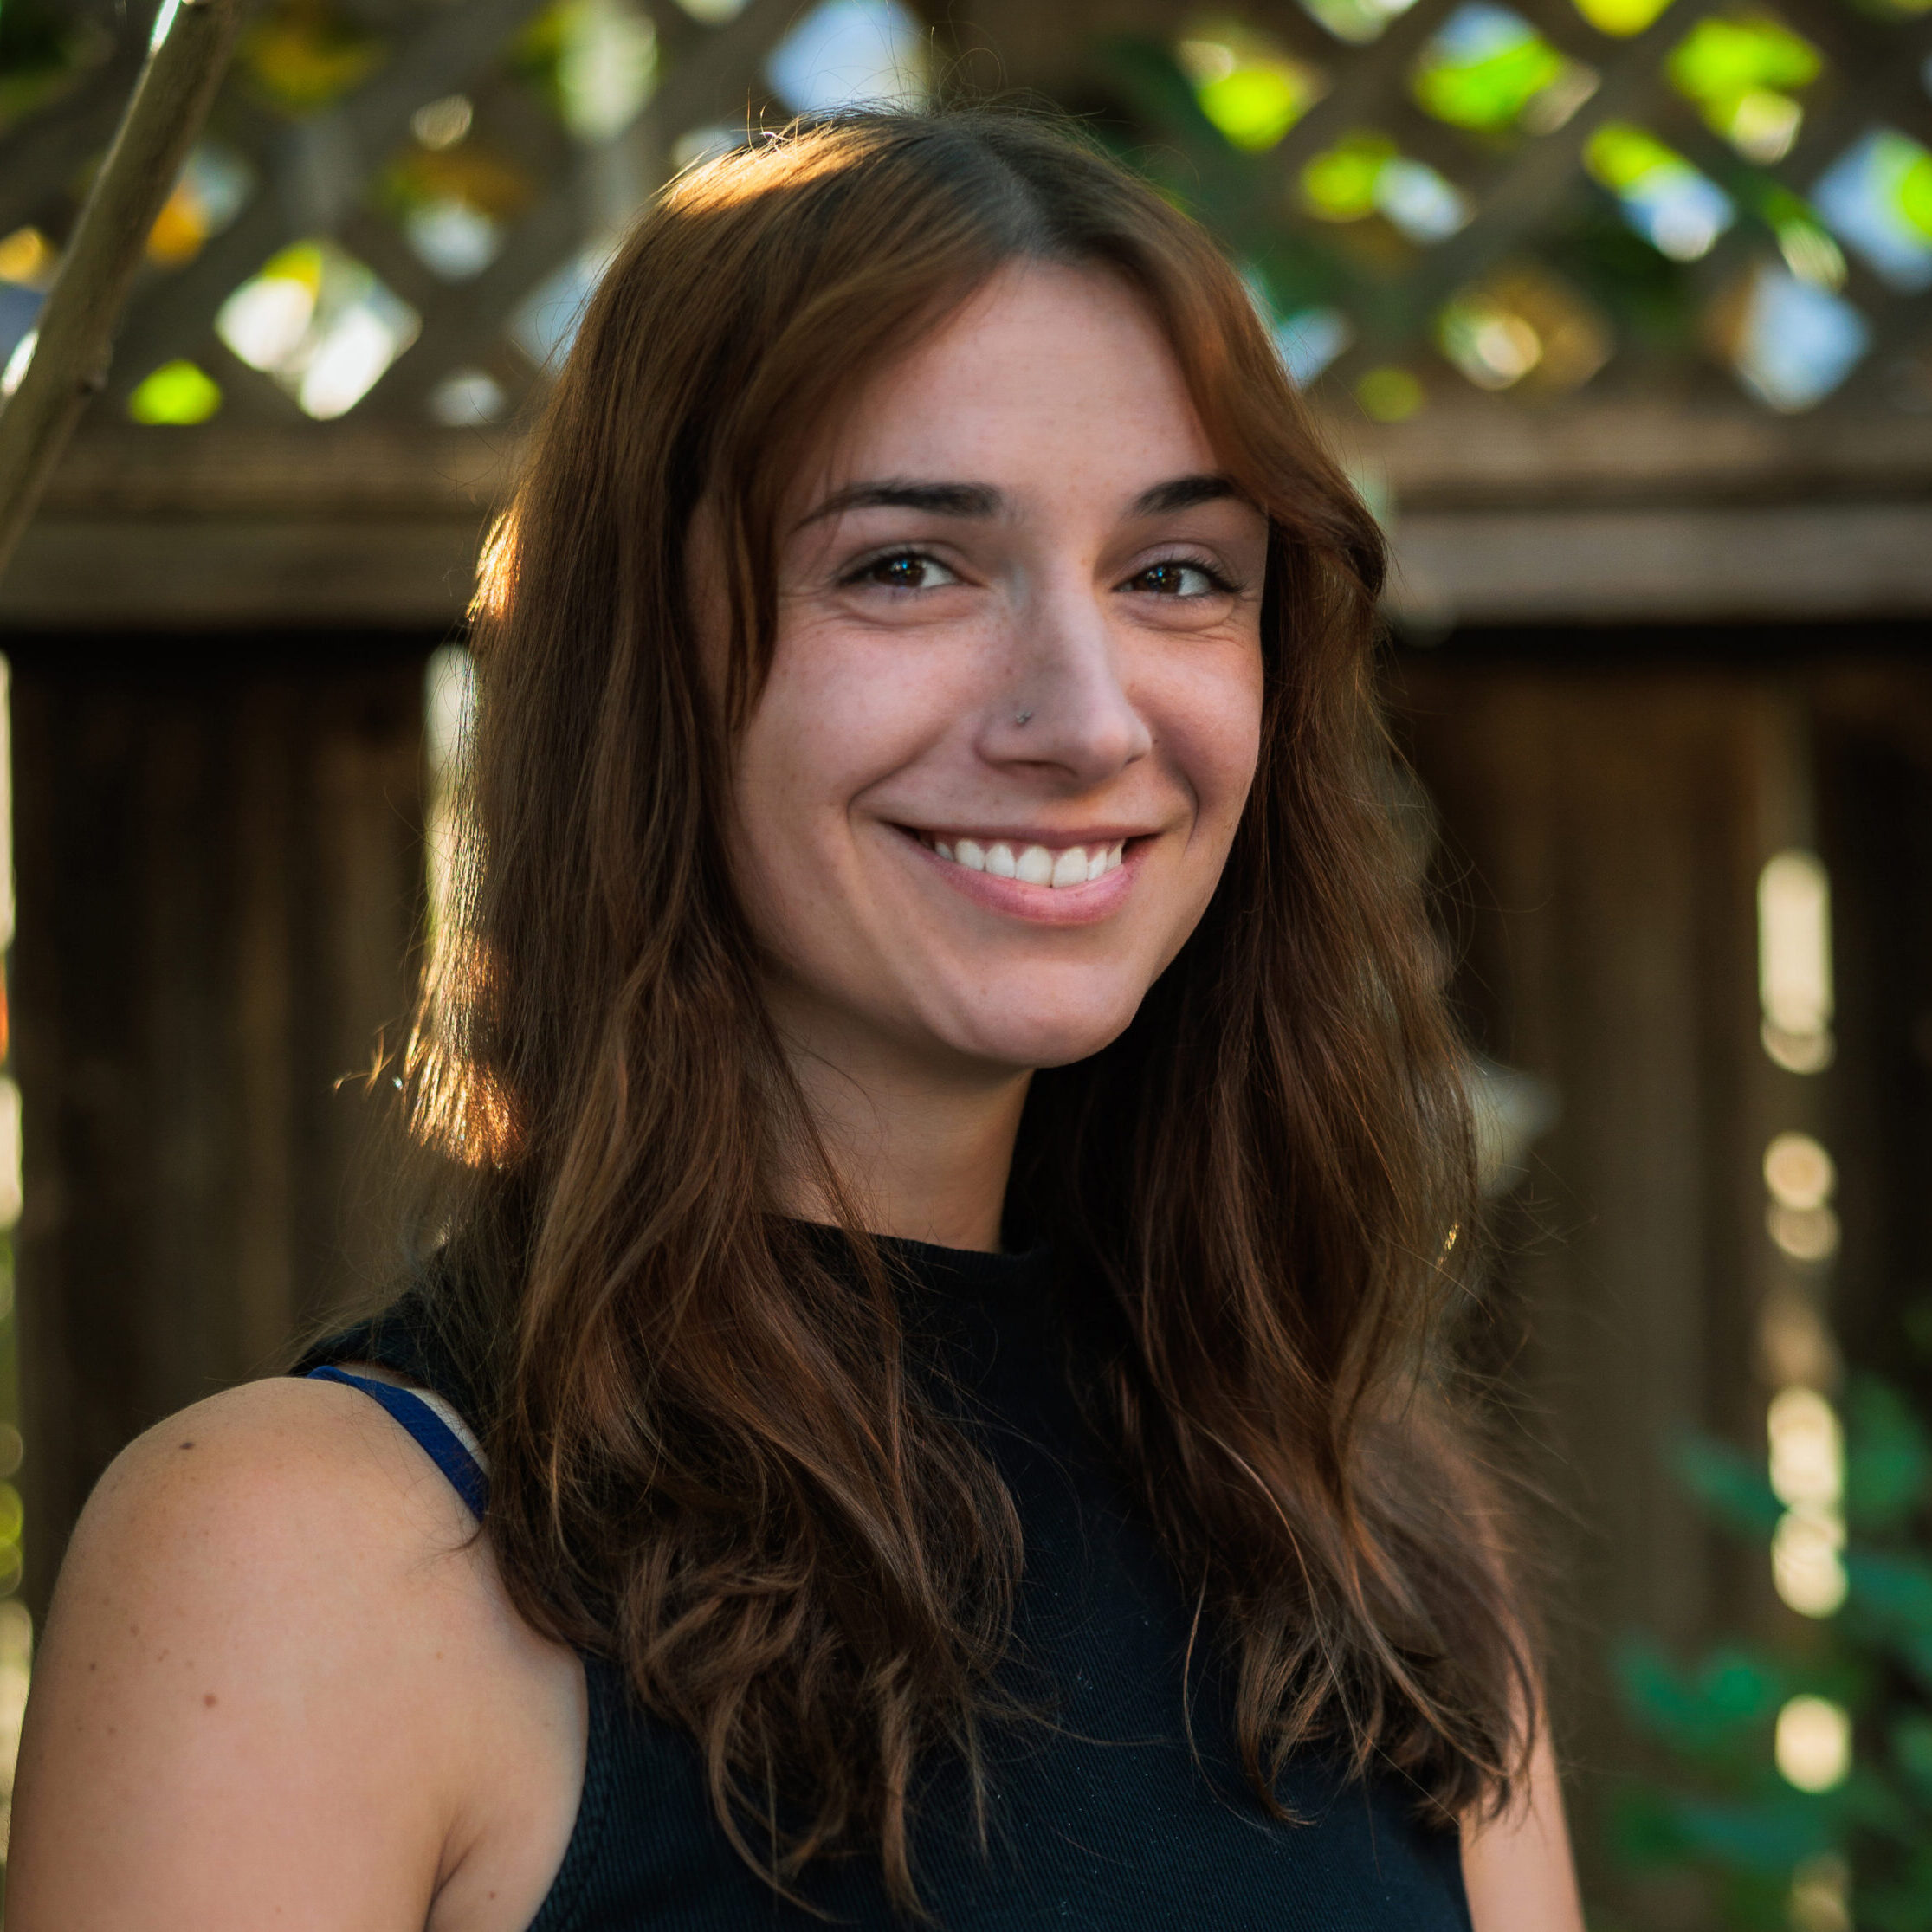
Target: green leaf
(1730, 1696)
(1643, 1832)
(177, 392)
(1767, 1838)
(1338, 184)
(1734, 1487)
(1491, 89)
(1911, 1742)
(1894, 1592)
(1905, 1904)
(1888, 1458)
(1719, 60)
(1254, 106)
(1867, 1802)
(1917, 1655)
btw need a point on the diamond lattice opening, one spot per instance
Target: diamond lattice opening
(320, 323)
(1878, 198)
(1248, 86)
(1489, 70)
(1368, 175)
(1679, 211)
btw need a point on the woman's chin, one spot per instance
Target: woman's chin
(1024, 1045)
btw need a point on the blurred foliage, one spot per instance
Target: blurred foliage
(40, 49)
(538, 49)
(472, 174)
(1355, 227)
(1729, 68)
(1252, 90)
(1242, 194)
(1725, 1810)
(301, 54)
(1484, 68)
(1324, 235)
(176, 395)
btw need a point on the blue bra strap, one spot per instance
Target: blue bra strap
(440, 1442)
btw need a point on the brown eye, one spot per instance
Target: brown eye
(905, 569)
(1177, 579)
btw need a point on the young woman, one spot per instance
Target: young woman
(952, 1153)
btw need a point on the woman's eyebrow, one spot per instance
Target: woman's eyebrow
(1183, 493)
(983, 500)
(973, 499)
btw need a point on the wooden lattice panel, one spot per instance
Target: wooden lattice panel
(1537, 202)
(1519, 253)
(1529, 195)
(414, 171)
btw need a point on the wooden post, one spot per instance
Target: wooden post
(1604, 823)
(220, 856)
(68, 361)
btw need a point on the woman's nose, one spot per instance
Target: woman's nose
(1067, 704)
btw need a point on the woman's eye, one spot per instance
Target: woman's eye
(905, 569)
(1177, 578)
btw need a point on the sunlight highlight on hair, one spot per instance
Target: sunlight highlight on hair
(496, 571)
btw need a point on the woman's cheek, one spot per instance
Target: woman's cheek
(1211, 723)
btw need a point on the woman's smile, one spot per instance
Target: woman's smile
(1057, 866)
(1053, 879)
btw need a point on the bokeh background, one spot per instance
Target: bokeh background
(1617, 310)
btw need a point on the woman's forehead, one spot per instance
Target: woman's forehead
(1045, 373)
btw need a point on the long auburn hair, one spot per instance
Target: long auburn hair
(708, 1462)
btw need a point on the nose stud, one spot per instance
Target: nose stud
(1020, 717)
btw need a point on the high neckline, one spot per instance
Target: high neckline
(974, 1271)
(974, 1274)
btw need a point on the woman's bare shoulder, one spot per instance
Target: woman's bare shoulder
(280, 1454)
(294, 1506)
(1517, 1869)
(274, 1633)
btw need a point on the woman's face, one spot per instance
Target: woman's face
(1015, 703)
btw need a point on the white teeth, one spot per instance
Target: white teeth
(1035, 865)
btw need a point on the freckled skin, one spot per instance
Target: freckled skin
(910, 639)
(890, 706)
(312, 1558)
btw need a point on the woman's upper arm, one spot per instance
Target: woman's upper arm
(234, 1719)
(1517, 1868)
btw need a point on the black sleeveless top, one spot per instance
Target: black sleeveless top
(1101, 1817)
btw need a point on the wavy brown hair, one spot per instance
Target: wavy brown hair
(708, 1460)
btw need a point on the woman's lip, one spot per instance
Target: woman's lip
(1080, 905)
(1053, 840)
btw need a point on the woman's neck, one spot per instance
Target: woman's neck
(923, 1151)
